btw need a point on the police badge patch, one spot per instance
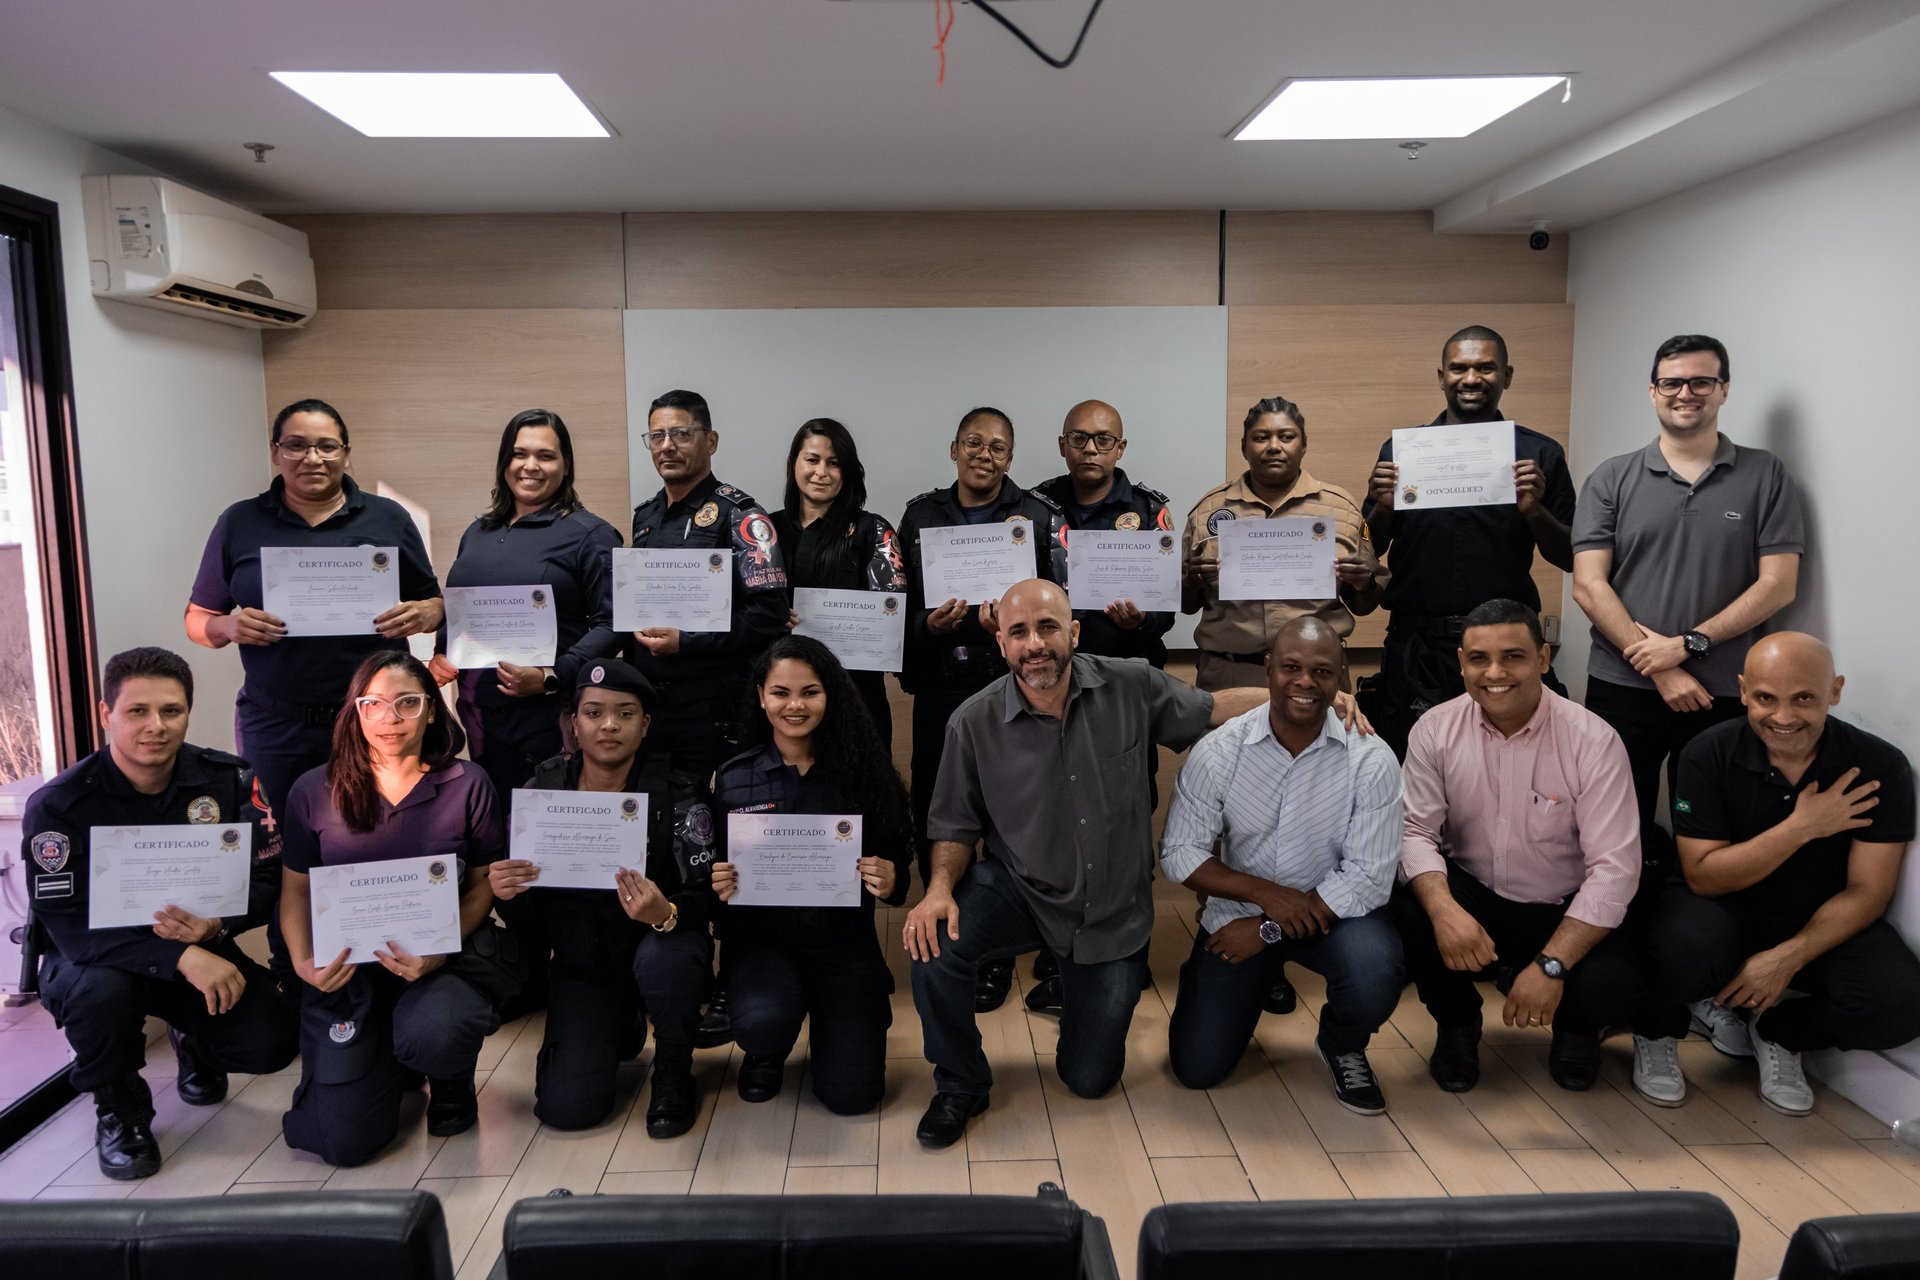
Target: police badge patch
(706, 515)
(50, 850)
(1217, 519)
(342, 1032)
(203, 809)
(1127, 520)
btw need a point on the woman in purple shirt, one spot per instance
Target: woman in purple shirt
(393, 788)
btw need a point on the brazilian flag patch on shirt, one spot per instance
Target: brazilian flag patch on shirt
(1683, 806)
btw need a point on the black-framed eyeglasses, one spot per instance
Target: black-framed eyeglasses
(977, 445)
(1670, 387)
(1102, 441)
(408, 706)
(679, 435)
(327, 450)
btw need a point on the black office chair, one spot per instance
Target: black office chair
(1047, 1237)
(1873, 1246)
(1554, 1237)
(363, 1235)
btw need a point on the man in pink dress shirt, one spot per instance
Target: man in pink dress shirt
(1521, 854)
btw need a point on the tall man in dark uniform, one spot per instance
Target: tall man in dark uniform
(952, 647)
(224, 1012)
(701, 677)
(1447, 562)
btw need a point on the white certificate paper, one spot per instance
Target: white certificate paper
(133, 872)
(1469, 465)
(865, 629)
(490, 625)
(329, 591)
(1285, 558)
(795, 859)
(975, 563)
(365, 905)
(578, 839)
(1108, 565)
(691, 590)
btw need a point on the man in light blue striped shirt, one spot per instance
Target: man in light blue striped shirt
(1308, 819)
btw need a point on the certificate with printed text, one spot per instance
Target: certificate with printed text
(329, 591)
(133, 872)
(365, 905)
(691, 590)
(1284, 558)
(490, 625)
(579, 839)
(795, 859)
(1109, 565)
(1469, 465)
(866, 630)
(975, 563)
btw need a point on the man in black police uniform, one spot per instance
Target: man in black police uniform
(701, 677)
(952, 646)
(1446, 563)
(224, 1012)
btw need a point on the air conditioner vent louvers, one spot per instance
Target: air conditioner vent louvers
(192, 297)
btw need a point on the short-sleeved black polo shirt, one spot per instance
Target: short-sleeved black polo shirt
(1728, 791)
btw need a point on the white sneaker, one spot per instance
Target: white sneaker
(1656, 1071)
(1724, 1027)
(1783, 1085)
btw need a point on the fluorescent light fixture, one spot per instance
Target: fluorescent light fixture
(1424, 107)
(415, 104)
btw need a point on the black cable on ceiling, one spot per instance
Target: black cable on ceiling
(988, 9)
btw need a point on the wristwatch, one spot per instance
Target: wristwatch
(672, 921)
(1270, 932)
(550, 683)
(1550, 965)
(1697, 644)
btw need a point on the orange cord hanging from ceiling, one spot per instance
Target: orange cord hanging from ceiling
(941, 30)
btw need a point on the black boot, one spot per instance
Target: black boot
(201, 1083)
(123, 1139)
(674, 1102)
(1281, 998)
(995, 980)
(451, 1105)
(716, 1027)
(1045, 965)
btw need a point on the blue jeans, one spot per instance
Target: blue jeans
(1219, 1003)
(995, 924)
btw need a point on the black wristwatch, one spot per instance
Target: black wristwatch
(1270, 932)
(1550, 965)
(550, 683)
(1697, 644)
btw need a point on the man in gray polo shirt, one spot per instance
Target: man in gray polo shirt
(1681, 552)
(1050, 763)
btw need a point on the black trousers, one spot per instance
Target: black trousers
(932, 708)
(872, 687)
(1863, 994)
(699, 724)
(589, 1011)
(1604, 990)
(841, 985)
(1654, 734)
(104, 1012)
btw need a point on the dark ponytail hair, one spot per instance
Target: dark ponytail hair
(308, 406)
(350, 767)
(565, 502)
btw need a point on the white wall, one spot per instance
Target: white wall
(172, 421)
(1808, 268)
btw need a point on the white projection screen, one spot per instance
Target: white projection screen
(900, 378)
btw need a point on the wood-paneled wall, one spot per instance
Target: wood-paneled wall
(433, 331)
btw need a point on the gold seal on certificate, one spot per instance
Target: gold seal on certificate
(329, 591)
(359, 907)
(579, 839)
(690, 590)
(1284, 558)
(865, 629)
(975, 563)
(133, 872)
(490, 625)
(1446, 465)
(795, 859)
(1105, 567)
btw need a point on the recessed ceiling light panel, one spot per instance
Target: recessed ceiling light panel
(1421, 107)
(409, 104)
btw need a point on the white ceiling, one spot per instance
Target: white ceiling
(831, 104)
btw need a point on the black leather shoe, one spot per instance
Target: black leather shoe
(1045, 965)
(716, 1025)
(1354, 1085)
(200, 1083)
(123, 1139)
(1573, 1060)
(451, 1106)
(1455, 1064)
(1281, 998)
(946, 1119)
(761, 1076)
(996, 979)
(1049, 996)
(670, 1109)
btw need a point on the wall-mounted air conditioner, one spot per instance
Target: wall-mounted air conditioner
(158, 244)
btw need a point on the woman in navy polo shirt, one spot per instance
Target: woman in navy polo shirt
(535, 533)
(817, 753)
(393, 788)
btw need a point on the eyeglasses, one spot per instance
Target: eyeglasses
(974, 446)
(408, 706)
(1102, 442)
(1670, 387)
(679, 435)
(327, 450)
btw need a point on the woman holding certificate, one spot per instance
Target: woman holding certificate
(834, 542)
(529, 602)
(790, 956)
(303, 620)
(384, 903)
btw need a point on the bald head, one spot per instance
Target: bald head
(1789, 689)
(1092, 443)
(1037, 635)
(1034, 596)
(1092, 417)
(1793, 652)
(1303, 673)
(1310, 630)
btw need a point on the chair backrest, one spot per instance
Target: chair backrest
(1556, 1237)
(366, 1235)
(1873, 1246)
(800, 1237)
